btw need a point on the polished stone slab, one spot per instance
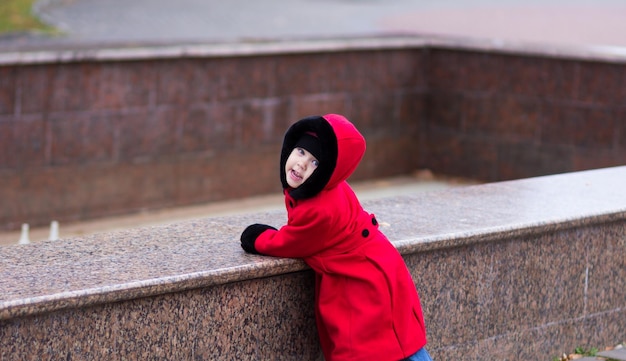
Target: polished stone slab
(143, 262)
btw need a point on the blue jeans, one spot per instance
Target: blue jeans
(421, 355)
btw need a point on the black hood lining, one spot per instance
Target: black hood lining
(328, 157)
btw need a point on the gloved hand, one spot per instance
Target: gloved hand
(250, 234)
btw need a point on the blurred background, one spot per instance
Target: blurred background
(59, 119)
(598, 22)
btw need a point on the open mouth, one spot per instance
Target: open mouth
(295, 175)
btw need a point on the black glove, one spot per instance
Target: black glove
(250, 234)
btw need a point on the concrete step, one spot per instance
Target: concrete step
(616, 354)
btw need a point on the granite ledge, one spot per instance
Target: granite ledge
(79, 52)
(139, 289)
(423, 244)
(148, 261)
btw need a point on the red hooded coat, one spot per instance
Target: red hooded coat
(367, 307)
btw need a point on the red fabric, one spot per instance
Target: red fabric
(367, 307)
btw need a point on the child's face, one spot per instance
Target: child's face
(299, 167)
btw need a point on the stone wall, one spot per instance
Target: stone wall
(87, 133)
(88, 139)
(516, 270)
(496, 116)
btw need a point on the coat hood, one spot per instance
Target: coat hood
(342, 149)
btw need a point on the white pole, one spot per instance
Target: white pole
(24, 236)
(54, 231)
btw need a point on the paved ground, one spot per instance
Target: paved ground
(598, 22)
(419, 182)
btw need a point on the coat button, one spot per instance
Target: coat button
(374, 221)
(365, 233)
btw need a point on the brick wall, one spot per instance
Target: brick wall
(84, 139)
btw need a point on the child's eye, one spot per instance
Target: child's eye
(315, 163)
(300, 151)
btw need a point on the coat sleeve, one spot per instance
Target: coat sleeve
(306, 234)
